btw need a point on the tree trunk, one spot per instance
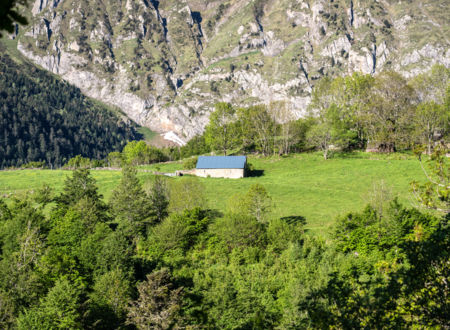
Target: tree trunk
(430, 137)
(429, 145)
(387, 147)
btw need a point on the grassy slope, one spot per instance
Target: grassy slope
(302, 185)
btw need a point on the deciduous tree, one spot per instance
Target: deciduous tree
(187, 194)
(430, 118)
(435, 193)
(390, 111)
(221, 130)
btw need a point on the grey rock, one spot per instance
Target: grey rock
(165, 68)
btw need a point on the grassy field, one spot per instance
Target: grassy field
(300, 185)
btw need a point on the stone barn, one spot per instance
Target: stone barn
(232, 167)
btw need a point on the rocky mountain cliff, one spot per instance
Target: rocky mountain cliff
(165, 63)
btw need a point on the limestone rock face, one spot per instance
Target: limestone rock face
(166, 63)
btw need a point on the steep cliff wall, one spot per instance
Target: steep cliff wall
(165, 63)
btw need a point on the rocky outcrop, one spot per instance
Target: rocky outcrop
(165, 63)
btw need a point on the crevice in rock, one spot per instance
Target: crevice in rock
(16, 31)
(258, 12)
(49, 30)
(374, 58)
(56, 3)
(302, 67)
(197, 18)
(168, 67)
(349, 38)
(59, 59)
(352, 17)
(164, 25)
(110, 47)
(55, 66)
(155, 4)
(261, 29)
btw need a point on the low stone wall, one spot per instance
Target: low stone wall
(220, 173)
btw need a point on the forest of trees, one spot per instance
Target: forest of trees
(382, 113)
(154, 256)
(358, 112)
(43, 119)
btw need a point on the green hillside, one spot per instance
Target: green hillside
(300, 185)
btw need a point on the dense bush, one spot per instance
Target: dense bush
(140, 261)
(190, 163)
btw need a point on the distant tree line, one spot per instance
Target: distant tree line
(141, 153)
(265, 129)
(136, 153)
(43, 119)
(155, 256)
(382, 113)
(358, 112)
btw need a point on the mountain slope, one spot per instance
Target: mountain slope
(45, 119)
(165, 63)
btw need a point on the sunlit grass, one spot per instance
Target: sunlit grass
(300, 185)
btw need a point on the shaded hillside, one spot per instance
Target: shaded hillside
(45, 119)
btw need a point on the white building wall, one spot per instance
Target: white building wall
(233, 173)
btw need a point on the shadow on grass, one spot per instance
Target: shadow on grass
(213, 214)
(347, 155)
(358, 154)
(255, 173)
(295, 220)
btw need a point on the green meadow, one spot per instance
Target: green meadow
(300, 185)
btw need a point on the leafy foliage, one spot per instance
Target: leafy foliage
(435, 193)
(186, 194)
(138, 152)
(88, 264)
(158, 258)
(360, 110)
(220, 133)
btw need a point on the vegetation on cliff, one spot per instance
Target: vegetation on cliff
(169, 61)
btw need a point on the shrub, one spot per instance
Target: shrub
(33, 165)
(190, 163)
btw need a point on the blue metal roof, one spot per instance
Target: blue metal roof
(213, 162)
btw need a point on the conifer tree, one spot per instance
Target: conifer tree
(159, 198)
(130, 205)
(158, 304)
